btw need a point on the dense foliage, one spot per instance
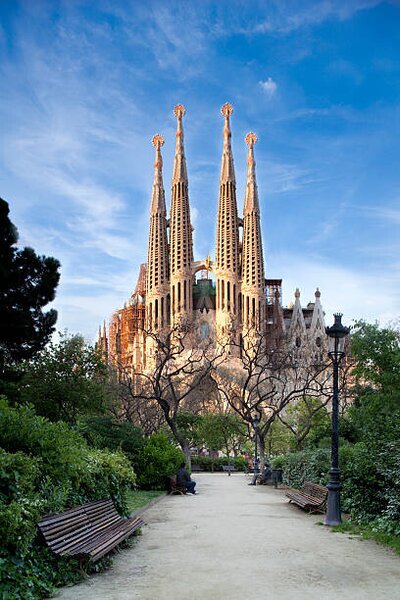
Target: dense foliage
(66, 380)
(107, 432)
(158, 460)
(47, 467)
(27, 284)
(370, 460)
(214, 431)
(208, 463)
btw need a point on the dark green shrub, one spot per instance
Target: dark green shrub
(371, 485)
(308, 465)
(45, 468)
(59, 448)
(278, 462)
(158, 460)
(208, 463)
(106, 474)
(106, 432)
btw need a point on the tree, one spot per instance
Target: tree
(264, 381)
(180, 364)
(27, 284)
(66, 380)
(222, 431)
(304, 415)
(376, 391)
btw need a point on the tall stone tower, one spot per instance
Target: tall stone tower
(181, 244)
(227, 260)
(253, 279)
(157, 275)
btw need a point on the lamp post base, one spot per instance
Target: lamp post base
(333, 515)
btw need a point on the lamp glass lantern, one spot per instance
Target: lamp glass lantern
(336, 338)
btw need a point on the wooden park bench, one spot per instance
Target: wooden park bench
(87, 531)
(229, 468)
(174, 488)
(312, 496)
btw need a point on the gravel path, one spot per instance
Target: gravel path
(235, 542)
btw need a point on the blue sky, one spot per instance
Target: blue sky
(85, 85)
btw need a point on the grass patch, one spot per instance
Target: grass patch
(139, 498)
(366, 532)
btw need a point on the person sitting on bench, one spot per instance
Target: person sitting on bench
(183, 479)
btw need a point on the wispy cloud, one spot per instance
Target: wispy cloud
(285, 17)
(269, 86)
(359, 295)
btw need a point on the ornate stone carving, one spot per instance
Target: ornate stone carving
(179, 110)
(227, 109)
(157, 141)
(250, 139)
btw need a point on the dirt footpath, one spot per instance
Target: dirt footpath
(237, 542)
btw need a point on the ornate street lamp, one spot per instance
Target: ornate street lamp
(255, 422)
(336, 334)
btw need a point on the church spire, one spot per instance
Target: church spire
(227, 267)
(227, 168)
(157, 284)
(253, 281)
(181, 244)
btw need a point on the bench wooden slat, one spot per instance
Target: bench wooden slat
(312, 496)
(90, 530)
(53, 528)
(123, 534)
(69, 512)
(68, 544)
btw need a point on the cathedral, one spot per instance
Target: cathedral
(230, 296)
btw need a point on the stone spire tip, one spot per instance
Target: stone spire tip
(179, 111)
(157, 141)
(250, 139)
(227, 109)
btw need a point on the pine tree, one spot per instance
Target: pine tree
(27, 284)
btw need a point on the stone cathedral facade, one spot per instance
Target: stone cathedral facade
(229, 296)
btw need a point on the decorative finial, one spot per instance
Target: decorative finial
(297, 293)
(157, 141)
(179, 110)
(250, 139)
(227, 109)
(317, 293)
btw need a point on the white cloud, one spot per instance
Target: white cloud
(372, 295)
(269, 86)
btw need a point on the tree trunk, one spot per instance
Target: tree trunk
(188, 458)
(261, 448)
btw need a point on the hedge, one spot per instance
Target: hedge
(47, 467)
(370, 484)
(207, 463)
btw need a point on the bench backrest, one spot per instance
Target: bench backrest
(63, 530)
(314, 489)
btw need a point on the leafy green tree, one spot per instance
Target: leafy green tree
(66, 380)
(189, 424)
(377, 357)
(219, 431)
(376, 410)
(27, 284)
(307, 416)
